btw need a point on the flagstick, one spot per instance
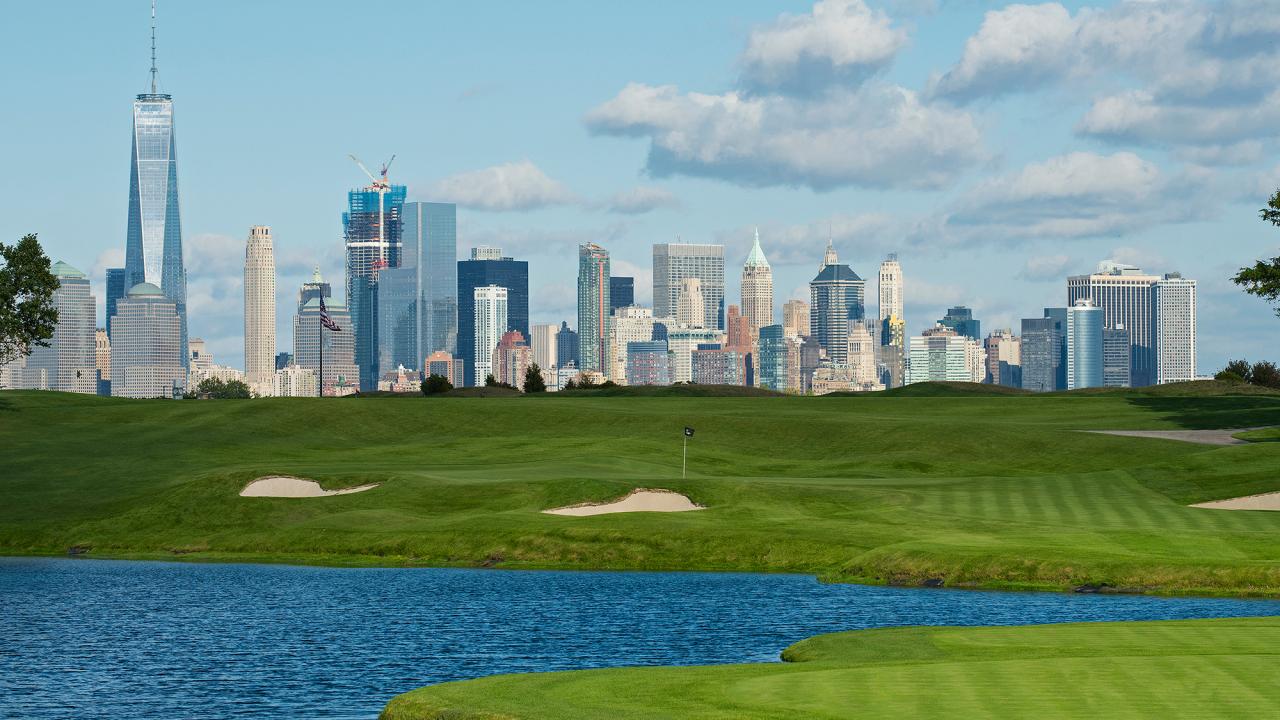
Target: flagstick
(684, 463)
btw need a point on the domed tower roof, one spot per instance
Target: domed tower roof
(144, 289)
(756, 258)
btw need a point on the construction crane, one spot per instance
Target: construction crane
(381, 185)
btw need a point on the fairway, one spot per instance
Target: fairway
(1185, 669)
(926, 487)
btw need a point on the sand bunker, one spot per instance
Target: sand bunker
(280, 486)
(635, 501)
(1265, 501)
(1204, 437)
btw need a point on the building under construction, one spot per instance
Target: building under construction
(372, 230)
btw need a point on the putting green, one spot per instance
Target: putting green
(936, 485)
(1188, 669)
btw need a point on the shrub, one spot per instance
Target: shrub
(1240, 368)
(1227, 376)
(1266, 374)
(436, 384)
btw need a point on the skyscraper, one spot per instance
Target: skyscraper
(1043, 359)
(773, 358)
(430, 247)
(943, 355)
(837, 297)
(960, 319)
(260, 311)
(622, 292)
(1003, 348)
(1115, 357)
(146, 346)
(629, 324)
(70, 360)
(1173, 302)
(488, 266)
(102, 360)
(1124, 294)
(795, 318)
(543, 342)
(566, 346)
(593, 308)
(490, 321)
(691, 308)
(317, 288)
(340, 372)
(757, 287)
(372, 229)
(1084, 345)
(890, 282)
(153, 244)
(116, 289)
(673, 262)
(511, 359)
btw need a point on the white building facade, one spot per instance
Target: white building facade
(1174, 303)
(491, 323)
(673, 263)
(146, 345)
(69, 363)
(260, 311)
(757, 288)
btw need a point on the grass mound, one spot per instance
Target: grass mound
(1189, 669)
(685, 390)
(951, 389)
(978, 491)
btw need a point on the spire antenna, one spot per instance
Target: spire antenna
(153, 47)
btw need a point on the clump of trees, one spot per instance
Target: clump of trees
(217, 389)
(1263, 279)
(435, 384)
(27, 315)
(491, 381)
(1264, 373)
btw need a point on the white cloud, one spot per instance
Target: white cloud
(1016, 48)
(859, 239)
(643, 275)
(641, 200)
(877, 136)
(1142, 117)
(1045, 267)
(839, 42)
(508, 187)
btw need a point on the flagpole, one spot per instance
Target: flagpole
(684, 462)
(321, 358)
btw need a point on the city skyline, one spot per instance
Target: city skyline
(866, 215)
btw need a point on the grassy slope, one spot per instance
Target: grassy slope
(1188, 669)
(995, 491)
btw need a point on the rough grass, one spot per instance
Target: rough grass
(967, 490)
(1186, 669)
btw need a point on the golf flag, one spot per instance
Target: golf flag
(327, 321)
(688, 431)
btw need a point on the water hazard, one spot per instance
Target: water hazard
(126, 640)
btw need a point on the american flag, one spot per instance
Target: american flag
(327, 321)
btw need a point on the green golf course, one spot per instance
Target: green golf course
(959, 486)
(1185, 669)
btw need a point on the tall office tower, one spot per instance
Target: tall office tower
(1115, 357)
(795, 318)
(511, 359)
(488, 266)
(773, 358)
(316, 288)
(622, 292)
(260, 311)
(340, 371)
(837, 297)
(829, 257)
(399, 311)
(810, 360)
(446, 366)
(153, 244)
(1084, 345)
(960, 319)
(630, 324)
(1059, 317)
(102, 360)
(284, 359)
(691, 308)
(1173, 302)
(593, 308)
(757, 287)
(372, 230)
(861, 358)
(490, 319)
(648, 363)
(116, 289)
(890, 282)
(1002, 346)
(566, 346)
(147, 345)
(943, 355)
(430, 247)
(1044, 360)
(673, 262)
(69, 361)
(543, 342)
(740, 339)
(1124, 294)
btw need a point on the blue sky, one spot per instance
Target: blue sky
(996, 148)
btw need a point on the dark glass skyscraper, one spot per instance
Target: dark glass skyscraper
(567, 346)
(960, 319)
(116, 289)
(371, 227)
(153, 244)
(503, 272)
(622, 292)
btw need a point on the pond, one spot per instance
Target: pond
(94, 638)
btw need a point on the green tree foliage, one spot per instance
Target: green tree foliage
(436, 384)
(533, 382)
(217, 389)
(490, 380)
(1266, 374)
(1263, 279)
(27, 315)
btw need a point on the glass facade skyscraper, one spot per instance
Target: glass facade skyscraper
(116, 289)
(430, 239)
(675, 262)
(153, 245)
(622, 292)
(1084, 346)
(594, 318)
(837, 298)
(371, 227)
(960, 319)
(773, 358)
(503, 272)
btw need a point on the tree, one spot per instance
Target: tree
(217, 389)
(1241, 369)
(436, 384)
(533, 382)
(27, 315)
(490, 380)
(1263, 279)
(1266, 374)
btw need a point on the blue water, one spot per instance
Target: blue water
(125, 640)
